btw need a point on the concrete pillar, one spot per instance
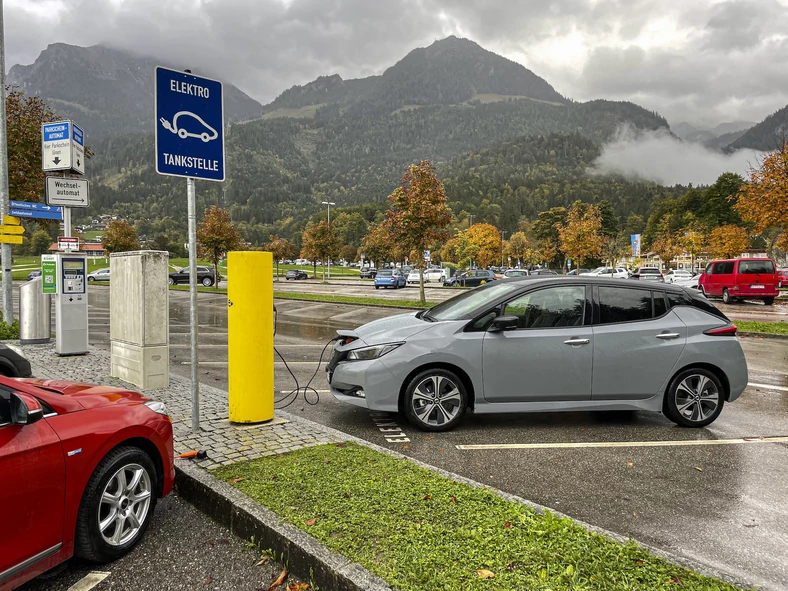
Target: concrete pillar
(140, 318)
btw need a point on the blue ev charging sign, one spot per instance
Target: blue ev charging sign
(189, 125)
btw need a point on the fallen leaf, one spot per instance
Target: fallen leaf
(279, 580)
(699, 469)
(208, 581)
(262, 561)
(427, 497)
(297, 587)
(346, 495)
(234, 480)
(311, 522)
(507, 525)
(485, 574)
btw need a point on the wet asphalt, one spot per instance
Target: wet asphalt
(722, 505)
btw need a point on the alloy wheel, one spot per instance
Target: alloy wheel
(124, 504)
(697, 398)
(436, 401)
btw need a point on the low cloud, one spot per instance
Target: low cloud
(658, 156)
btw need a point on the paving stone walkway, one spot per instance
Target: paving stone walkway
(224, 442)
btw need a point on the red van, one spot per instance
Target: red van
(736, 279)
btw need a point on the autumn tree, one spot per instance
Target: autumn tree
(580, 237)
(616, 248)
(319, 242)
(378, 244)
(728, 242)
(279, 248)
(216, 236)
(24, 117)
(420, 213)
(545, 231)
(120, 236)
(480, 243)
(667, 243)
(763, 200)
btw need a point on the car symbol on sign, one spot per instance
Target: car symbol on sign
(183, 134)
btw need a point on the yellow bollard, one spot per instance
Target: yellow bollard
(250, 337)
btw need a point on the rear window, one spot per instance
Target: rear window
(756, 267)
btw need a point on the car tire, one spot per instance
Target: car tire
(118, 537)
(450, 393)
(726, 297)
(171, 281)
(686, 394)
(207, 282)
(768, 301)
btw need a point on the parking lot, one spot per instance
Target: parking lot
(715, 495)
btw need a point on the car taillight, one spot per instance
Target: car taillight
(722, 331)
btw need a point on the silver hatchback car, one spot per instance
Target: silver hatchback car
(570, 336)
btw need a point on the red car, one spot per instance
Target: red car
(81, 469)
(782, 278)
(736, 279)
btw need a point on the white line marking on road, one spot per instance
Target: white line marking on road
(768, 387)
(780, 439)
(88, 582)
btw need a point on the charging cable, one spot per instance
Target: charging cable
(311, 396)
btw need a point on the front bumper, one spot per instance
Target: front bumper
(381, 388)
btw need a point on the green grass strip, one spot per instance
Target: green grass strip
(762, 327)
(336, 299)
(421, 531)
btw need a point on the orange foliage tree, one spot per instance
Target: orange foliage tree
(727, 242)
(763, 200)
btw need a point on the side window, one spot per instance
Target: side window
(618, 304)
(554, 307)
(660, 308)
(5, 408)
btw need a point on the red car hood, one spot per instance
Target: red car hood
(88, 395)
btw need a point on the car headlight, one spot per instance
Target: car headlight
(157, 407)
(368, 353)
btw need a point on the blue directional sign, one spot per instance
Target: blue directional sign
(189, 125)
(31, 209)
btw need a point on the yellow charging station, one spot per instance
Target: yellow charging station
(250, 336)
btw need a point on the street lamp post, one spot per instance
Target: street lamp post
(329, 204)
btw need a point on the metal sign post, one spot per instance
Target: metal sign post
(189, 123)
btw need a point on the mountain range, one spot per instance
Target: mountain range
(505, 141)
(105, 90)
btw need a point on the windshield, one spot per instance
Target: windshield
(756, 267)
(461, 306)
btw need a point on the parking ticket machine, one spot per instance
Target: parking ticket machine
(72, 304)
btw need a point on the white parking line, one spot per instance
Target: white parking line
(780, 439)
(88, 582)
(769, 387)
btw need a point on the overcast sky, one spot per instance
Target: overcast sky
(704, 61)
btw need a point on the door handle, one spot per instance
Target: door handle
(666, 336)
(577, 342)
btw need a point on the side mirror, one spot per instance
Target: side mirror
(502, 323)
(25, 410)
